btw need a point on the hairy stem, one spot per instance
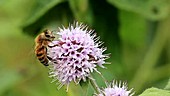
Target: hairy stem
(94, 84)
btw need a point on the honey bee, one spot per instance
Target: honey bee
(41, 43)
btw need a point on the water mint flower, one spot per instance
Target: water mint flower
(75, 54)
(116, 89)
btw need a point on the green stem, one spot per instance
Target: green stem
(144, 71)
(94, 84)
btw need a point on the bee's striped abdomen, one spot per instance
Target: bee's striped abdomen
(41, 53)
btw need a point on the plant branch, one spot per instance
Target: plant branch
(94, 84)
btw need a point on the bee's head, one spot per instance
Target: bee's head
(49, 35)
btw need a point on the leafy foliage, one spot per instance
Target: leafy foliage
(136, 33)
(168, 85)
(148, 8)
(155, 92)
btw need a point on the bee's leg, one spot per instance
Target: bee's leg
(46, 64)
(52, 60)
(49, 58)
(45, 49)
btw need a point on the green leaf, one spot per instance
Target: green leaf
(40, 8)
(56, 16)
(155, 92)
(168, 85)
(151, 9)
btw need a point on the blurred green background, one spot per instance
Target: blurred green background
(136, 33)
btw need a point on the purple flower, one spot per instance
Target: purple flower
(116, 89)
(75, 54)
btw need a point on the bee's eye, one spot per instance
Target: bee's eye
(46, 32)
(47, 35)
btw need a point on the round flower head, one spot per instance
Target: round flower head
(116, 89)
(75, 54)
